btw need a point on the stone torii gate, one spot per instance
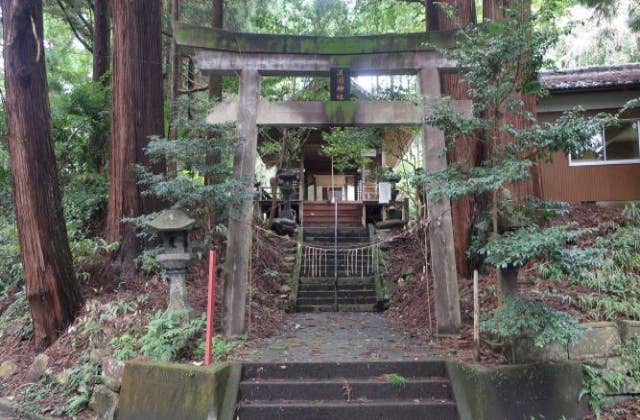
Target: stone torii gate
(251, 56)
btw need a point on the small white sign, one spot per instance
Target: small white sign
(384, 192)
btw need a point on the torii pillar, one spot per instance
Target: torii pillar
(240, 240)
(441, 242)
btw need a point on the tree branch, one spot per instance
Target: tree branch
(69, 20)
(87, 26)
(194, 90)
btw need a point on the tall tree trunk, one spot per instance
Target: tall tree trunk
(497, 10)
(215, 93)
(101, 52)
(101, 40)
(175, 75)
(215, 81)
(438, 19)
(52, 289)
(463, 211)
(191, 83)
(136, 115)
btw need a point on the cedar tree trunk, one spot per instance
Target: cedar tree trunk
(496, 10)
(52, 288)
(215, 94)
(438, 20)
(464, 210)
(175, 75)
(101, 40)
(101, 52)
(137, 113)
(215, 81)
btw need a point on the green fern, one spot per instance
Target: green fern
(171, 335)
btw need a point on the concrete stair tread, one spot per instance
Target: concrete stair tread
(357, 299)
(340, 380)
(341, 308)
(302, 293)
(341, 295)
(346, 391)
(365, 402)
(407, 368)
(334, 389)
(315, 308)
(348, 280)
(355, 410)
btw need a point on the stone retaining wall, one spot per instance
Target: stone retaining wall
(163, 391)
(599, 346)
(535, 391)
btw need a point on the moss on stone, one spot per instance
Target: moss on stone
(545, 390)
(170, 391)
(200, 37)
(341, 112)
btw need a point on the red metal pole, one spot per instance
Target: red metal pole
(210, 306)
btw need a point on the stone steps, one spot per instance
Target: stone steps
(334, 389)
(347, 293)
(350, 391)
(320, 287)
(341, 308)
(407, 369)
(322, 300)
(355, 410)
(321, 215)
(345, 235)
(351, 295)
(341, 281)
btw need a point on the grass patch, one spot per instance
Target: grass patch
(396, 380)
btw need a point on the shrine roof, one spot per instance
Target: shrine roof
(593, 78)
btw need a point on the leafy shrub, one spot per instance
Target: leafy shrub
(125, 347)
(518, 247)
(632, 213)
(147, 261)
(594, 386)
(86, 250)
(187, 188)
(611, 268)
(79, 385)
(5, 170)
(93, 325)
(11, 273)
(220, 348)
(171, 335)
(346, 145)
(598, 382)
(532, 319)
(572, 264)
(84, 200)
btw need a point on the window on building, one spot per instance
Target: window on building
(615, 144)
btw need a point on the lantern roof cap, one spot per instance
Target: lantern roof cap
(171, 221)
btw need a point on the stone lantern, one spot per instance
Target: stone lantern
(286, 179)
(286, 223)
(173, 228)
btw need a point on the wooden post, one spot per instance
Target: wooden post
(441, 242)
(240, 237)
(301, 188)
(476, 318)
(211, 302)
